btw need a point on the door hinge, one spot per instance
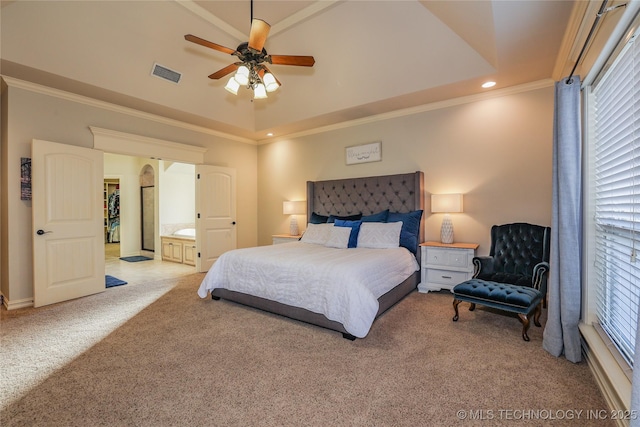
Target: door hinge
(198, 176)
(198, 215)
(198, 254)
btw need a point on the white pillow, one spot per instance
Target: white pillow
(316, 233)
(379, 235)
(339, 237)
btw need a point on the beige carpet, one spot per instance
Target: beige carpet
(184, 361)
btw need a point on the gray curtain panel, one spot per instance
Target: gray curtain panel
(561, 334)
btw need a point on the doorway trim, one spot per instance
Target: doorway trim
(112, 141)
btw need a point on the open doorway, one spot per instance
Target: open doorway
(112, 217)
(147, 210)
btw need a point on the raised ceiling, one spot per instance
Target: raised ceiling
(372, 57)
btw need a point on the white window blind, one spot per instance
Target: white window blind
(617, 198)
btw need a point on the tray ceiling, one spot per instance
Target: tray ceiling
(372, 57)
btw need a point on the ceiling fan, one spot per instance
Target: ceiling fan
(251, 70)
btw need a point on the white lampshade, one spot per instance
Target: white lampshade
(446, 203)
(260, 92)
(232, 86)
(293, 208)
(297, 207)
(270, 82)
(242, 75)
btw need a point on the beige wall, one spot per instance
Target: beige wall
(31, 114)
(497, 152)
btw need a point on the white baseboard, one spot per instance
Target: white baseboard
(15, 304)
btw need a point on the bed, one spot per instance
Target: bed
(315, 281)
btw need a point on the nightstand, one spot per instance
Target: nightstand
(284, 238)
(445, 265)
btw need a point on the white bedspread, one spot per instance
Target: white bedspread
(342, 284)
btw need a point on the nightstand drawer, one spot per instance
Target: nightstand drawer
(445, 265)
(446, 277)
(447, 257)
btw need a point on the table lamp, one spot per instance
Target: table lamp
(294, 208)
(447, 204)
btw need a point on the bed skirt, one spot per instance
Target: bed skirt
(385, 302)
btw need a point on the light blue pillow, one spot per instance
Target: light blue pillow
(410, 233)
(355, 229)
(376, 217)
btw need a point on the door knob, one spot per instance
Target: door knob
(233, 223)
(41, 232)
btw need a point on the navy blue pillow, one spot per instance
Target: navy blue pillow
(355, 229)
(376, 217)
(318, 219)
(410, 232)
(333, 218)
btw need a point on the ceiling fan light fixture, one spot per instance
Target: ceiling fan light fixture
(259, 92)
(250, 71)
(232, 86)
(270, 82)
(242, 75)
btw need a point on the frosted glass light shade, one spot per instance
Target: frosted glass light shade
(232, 86)
(270, 82)
(242, 75)
(260, 92)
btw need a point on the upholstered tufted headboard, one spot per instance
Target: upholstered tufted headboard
(398, 193)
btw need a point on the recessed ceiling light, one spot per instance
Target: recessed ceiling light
(488, 85)
(270, 134)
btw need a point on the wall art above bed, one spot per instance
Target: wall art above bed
(364, 153)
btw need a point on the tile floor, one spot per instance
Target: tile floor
(143, 271)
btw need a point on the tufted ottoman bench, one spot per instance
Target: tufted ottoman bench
(517, 299)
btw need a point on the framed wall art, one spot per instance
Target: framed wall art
(25, 178)
(364, 153)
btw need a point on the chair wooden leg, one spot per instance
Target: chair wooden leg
(525, 325)
(536, 316)
(472, 306)
(455, 307)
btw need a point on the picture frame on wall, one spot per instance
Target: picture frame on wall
(364, 153)
(25, 178)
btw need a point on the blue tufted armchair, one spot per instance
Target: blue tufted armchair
(519, 255)
(514, 275)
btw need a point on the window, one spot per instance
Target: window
(615, 184)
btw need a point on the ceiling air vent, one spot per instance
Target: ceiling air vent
(165, 73)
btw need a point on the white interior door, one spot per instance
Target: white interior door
(68, 222)
(215, 213)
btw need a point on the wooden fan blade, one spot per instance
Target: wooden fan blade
(258, 35)
(302, 61)
(203, 42)
(223, 72)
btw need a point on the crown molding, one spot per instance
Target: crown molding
(68, 96)
(574, 36)
(540, 84)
